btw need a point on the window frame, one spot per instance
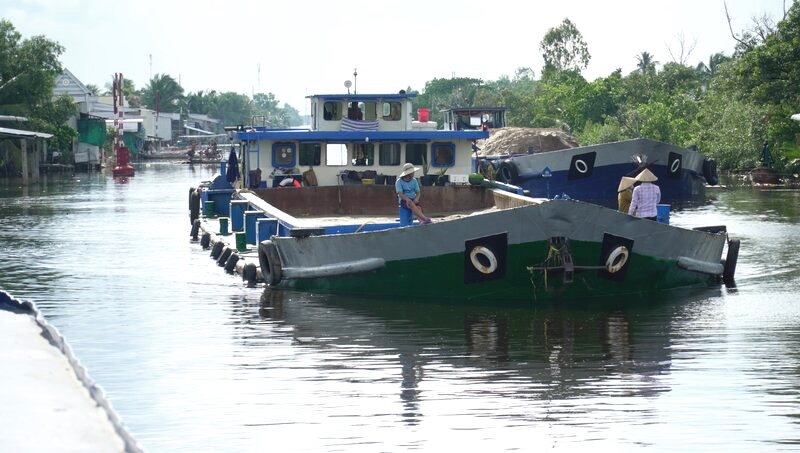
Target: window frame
(276, 147)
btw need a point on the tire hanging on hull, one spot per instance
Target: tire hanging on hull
(729, 266)
(270, 263)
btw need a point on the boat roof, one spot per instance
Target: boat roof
(346, 136)
(364, 97)
(476, 109)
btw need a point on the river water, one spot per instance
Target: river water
(192, 360)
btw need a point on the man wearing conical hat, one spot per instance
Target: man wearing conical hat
(646, 196)
(625, 193)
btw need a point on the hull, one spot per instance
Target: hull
(438, 261)
(592, 173)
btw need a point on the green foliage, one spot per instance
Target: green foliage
(563, 48)
(27, 70)
(729, 127)
(233, 108)
(163, 93)
(605, 132)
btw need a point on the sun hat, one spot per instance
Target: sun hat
(625, 183)
(408, 169)
(646, 176)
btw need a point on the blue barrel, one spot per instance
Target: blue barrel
(662, 213)
(266, 228)
(238, 207)
(250, 218)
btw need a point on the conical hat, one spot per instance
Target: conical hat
(646, 176)
(625, 183)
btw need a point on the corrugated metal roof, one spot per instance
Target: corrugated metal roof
(19, 133)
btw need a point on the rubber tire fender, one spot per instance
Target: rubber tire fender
(270, 263)
(710, 171)
(217, 249)
(223, 258)
(230, 263)
(195, 229)
(249, 274)
(205, 240)
(194, 205)
(508, 171)
(729, 267)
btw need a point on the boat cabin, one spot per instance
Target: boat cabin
(357, 139)
(474, 118)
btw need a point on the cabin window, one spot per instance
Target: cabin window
(310, 154)
(332, 111)
(389, 154)
(335, 154)
(444, 154)
(283, 155)
(370, 110)
(391, 111)
(363, 154)
(416, 153)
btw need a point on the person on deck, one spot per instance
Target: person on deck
(625, 193)
(409, 195)
(354, 112)
(646, 196)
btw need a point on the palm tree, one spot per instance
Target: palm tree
(707, 72)
(163, 94)
(646, 63)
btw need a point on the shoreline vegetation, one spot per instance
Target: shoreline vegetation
(728, 104)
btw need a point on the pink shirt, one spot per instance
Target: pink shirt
(645, 198)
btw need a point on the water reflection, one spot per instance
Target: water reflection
(542, 353)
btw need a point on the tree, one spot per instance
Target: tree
(163, 94)
(768, 75)
(27, 70)
(706, 72)
(201, 102)
(563, 48)
(646, 63)
(233, 108)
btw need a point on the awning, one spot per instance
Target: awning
(202, 131)
(19, 133)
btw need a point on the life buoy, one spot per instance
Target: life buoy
(270, 263)
(508, 171)
(616, 259)
(194, 205)
(483, 259)
(675, 166)
(581, 166)
(729, 267)
(710, 171)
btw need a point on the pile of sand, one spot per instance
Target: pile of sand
(517, 140)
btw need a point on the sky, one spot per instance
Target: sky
(298, 48)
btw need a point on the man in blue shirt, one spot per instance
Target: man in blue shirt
(408, 192)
